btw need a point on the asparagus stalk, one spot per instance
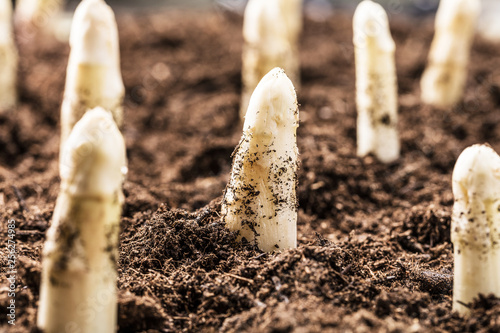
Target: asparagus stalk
(93, 75)
(260, 200)
(270, 31)
(376, 84)
(8, 58)
(444, 78)
(78, 291)
(475, 225)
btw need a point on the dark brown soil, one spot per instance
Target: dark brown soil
(374, 249)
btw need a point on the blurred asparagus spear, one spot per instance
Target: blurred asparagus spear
(78, 291)
(93, 76)
(475, 225)
(8, 58)
(376, 83)
(444, 78)
(270, 31)
(260, 199)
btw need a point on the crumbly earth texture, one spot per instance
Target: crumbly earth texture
(374, 250)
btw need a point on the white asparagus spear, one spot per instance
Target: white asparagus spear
(8, 58)
(270, 31)
(475, 225)
(93, 76)
(78, 291)
(260, 199)
(444, 79)
(376, 83)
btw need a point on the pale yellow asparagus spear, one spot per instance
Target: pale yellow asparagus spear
(93, 76)
(475, 225)
(376, 83)
(260, 200)
(78, 291)
(270, 31)
(8, 58)
(444, 78)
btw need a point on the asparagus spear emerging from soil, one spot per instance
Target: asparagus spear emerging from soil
(444, 79)
(93, 76)
(376, 86)
(8, 58)
(475, 225)
(78, 291)
(271, 31)
(260, 199)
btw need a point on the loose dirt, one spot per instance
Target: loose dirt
(374, 250)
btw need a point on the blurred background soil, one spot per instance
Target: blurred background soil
(374, 250)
